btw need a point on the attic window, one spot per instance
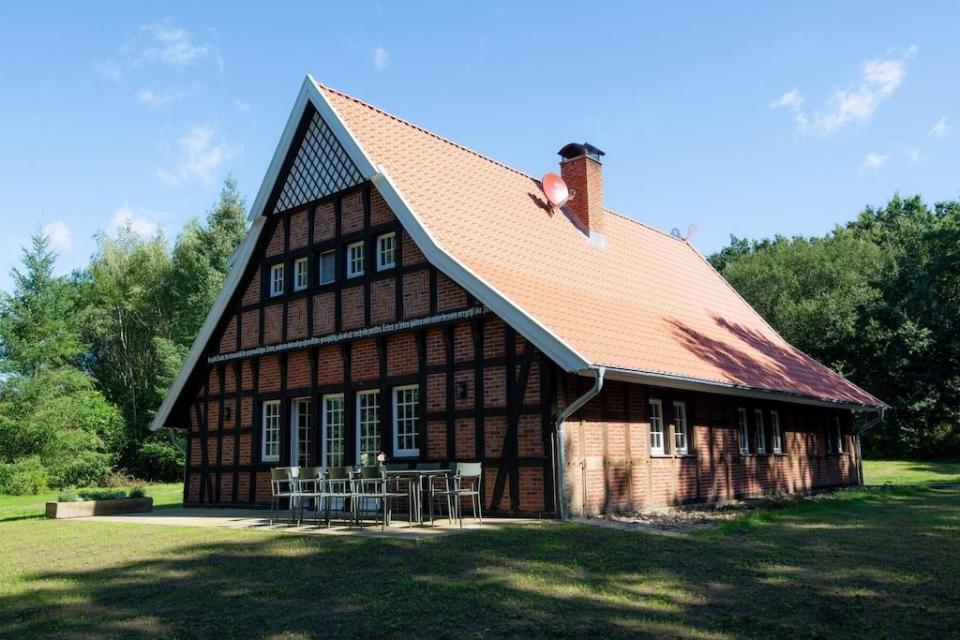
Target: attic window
(355, 260)
(386, 245)
(276, 280)
(300, 279)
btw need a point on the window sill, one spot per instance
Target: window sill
(667, 456)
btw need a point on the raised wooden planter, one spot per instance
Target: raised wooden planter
(61, 510)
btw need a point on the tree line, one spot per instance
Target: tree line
(86, 359)
(877, 300)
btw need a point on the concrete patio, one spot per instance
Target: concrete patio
(259, 520)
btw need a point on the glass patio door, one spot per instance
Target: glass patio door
(300, 433)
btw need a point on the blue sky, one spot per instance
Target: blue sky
(746, 119)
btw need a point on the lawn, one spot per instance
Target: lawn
(882, 562)
(19, 507)
(910, 471)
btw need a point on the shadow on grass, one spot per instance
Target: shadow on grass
(849, 567)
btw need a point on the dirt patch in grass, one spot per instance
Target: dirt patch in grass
(680, 521)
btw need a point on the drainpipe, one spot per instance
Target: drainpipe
(598, 373)
(869, 425)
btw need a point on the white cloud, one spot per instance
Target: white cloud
(941, 129)
(139, 223)
(59, 235)
(161, 43)
(381, 58)
(915, 156)
(879, 80)
(199, 154)
(241, 105)
(153, 98)
(874, 161)
(791, 99)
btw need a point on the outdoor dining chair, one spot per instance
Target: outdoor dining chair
(283, 484)
(340, 485)
(373, 484)
(465, 483)
(312, 486)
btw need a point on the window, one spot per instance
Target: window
(300, 455)
(656, 428)
(333, 430)
(328, 267)
(355, 260)
(744, 431)
(368, 425)
(300, 280)
(680, 428)
(385, 251)
(777, 434)
(761, 433)
(406, 401)
(270, 442)
(276, 280)
(835, 437)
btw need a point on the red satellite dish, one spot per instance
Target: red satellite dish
(555, 189)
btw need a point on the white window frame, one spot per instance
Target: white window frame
(330, 413)
(386, 255)
(301, 274)
(300, 431)
(681, 432)
(744, 430)
(333, 260)
(355, 259)
(761, 433)
(656, 428)
(410, 424)
(362, 420)
(777, 433)
(276, 280)
(270, 431)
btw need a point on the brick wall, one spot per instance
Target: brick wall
(610, 466)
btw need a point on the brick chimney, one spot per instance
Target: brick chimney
(583, 173)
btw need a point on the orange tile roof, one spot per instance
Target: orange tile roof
(643, 301)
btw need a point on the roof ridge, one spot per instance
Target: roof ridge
(426, 131)
(642, 224)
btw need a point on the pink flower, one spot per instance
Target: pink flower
(382, 457)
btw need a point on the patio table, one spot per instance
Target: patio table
(417, 475)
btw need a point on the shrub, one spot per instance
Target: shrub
(68, 494)
(137, 492)
(23, 477)
(86, 468)
(159, 460)
(102, 494)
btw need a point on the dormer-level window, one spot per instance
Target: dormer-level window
(386, 251)
(328, 264)
(276, 280)
(355, 260)
(300, 277)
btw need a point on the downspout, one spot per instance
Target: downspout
(598, 373)
(869, 425)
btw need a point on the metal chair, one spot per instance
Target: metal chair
(312, 486)
(283, 484)
(465, 483)
(374, 484)
(433, 481)
(340, 485)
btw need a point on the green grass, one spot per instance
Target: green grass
(876, 563)
(19, 507)
(910, 471)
